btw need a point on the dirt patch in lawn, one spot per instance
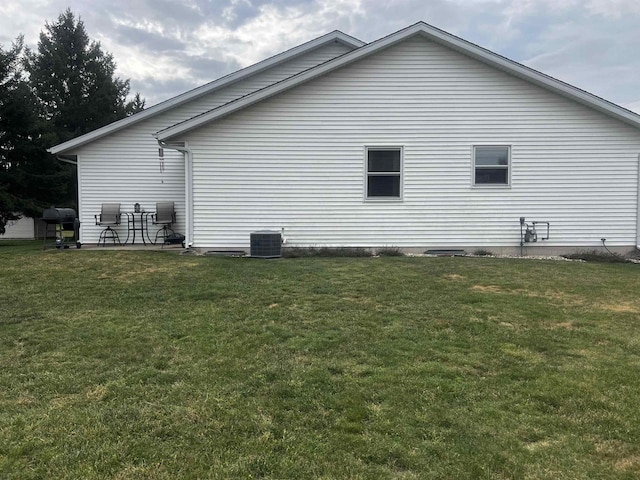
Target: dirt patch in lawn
(454, 276)
(561, 325)
(567, 299)
(628, 463)
(621, 308)
(360, 300)
(131, 273)
(540, 444)
(487, 289)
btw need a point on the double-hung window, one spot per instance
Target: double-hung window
(491, 165)
(383, 173)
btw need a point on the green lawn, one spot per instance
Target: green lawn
(154, 365)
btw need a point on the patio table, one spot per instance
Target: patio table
(137, 222)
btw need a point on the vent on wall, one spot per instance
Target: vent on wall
(266, 244)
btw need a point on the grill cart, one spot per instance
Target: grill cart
(63, 224)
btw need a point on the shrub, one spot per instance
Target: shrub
(389, 252)
(482, 253)
(300, 252)
(635, 254)
(596, 256)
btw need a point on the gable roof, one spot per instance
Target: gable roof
(431, 33)
(335, 36)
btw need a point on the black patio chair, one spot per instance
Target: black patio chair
(109, 217)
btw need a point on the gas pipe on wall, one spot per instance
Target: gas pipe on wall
(529, 233)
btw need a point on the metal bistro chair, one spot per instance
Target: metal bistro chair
(109, 217)
(165, 215)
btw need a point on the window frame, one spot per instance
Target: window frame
(507, 166)
(400, 174)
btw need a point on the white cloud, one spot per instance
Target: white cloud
(166, 49)
(279, 28)
(614, 8)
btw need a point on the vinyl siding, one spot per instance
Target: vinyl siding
(22, 228)
(296, 160)
(124, 167)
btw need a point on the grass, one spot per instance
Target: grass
(154, 365)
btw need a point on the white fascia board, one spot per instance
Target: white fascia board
(283, 85)
(335, 36)
(431, 33)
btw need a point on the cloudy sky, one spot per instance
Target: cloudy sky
(167, 47)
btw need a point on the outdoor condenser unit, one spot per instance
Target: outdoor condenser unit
(266, 244)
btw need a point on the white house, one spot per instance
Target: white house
(418, 140)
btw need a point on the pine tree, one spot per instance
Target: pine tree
(64, 89)
(74, 81)
(22, 154)
(8, 63)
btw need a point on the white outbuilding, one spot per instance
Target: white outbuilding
(21, 229)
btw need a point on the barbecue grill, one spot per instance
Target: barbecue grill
(64, 224)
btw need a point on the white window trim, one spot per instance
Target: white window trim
(366, 173)
(473, 167)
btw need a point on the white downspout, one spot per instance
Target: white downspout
(188, 190)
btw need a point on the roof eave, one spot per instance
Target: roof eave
(335, 36)
(434, 34)
(283, 85)
(533, 76)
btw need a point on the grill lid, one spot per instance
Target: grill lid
(59, 215)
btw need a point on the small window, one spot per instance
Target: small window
(384, 166)
(491, 165)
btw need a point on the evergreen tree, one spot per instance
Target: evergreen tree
(8, 64)
(23, 159)
(64, 89)
(74, 81)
